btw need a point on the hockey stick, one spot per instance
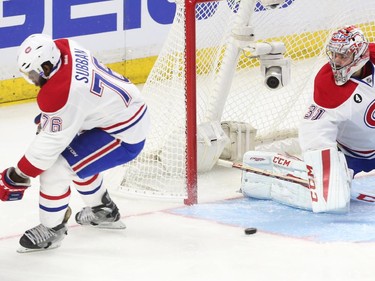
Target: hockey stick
(257, 171)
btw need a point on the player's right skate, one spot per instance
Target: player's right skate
(105, 215)
(42, 238)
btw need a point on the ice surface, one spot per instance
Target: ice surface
(165, 240)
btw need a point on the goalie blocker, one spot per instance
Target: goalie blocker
(323, 185)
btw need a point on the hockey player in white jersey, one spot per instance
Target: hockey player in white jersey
(342, 109)
(337, 134)
(92, 119)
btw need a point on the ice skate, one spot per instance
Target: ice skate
(105, 215)
(41, 238)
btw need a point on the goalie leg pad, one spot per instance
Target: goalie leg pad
(254, 185)
(266, 187)
(329, 179)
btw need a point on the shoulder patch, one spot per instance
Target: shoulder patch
(55, 93)
(326, 93)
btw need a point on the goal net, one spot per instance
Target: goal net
(205, 75)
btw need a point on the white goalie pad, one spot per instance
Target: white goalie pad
(323, 188)
(281, 189)
(329, 179)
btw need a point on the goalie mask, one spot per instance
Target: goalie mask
(348, 52)
(35, 51)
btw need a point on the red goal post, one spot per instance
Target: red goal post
(205, 75)
(191, 102)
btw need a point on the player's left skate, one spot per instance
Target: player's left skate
(42, 238)
(106, 215)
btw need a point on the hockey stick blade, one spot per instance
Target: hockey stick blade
(266, 173)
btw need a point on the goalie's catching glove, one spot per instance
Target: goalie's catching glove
(12, 185)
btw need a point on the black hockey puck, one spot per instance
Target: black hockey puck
(250, 230)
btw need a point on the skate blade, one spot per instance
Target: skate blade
(110, 225)
(23, 250)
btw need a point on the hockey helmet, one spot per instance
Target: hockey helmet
(352, 47)
(36, 50)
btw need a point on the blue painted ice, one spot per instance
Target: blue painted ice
(356, 226)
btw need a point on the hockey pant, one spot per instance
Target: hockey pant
(360, 164)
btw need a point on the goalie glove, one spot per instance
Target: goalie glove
(12, 190)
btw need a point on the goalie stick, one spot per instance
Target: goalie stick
(250, 169)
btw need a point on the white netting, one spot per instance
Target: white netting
(302, 25)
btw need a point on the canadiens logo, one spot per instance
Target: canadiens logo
(370, 115)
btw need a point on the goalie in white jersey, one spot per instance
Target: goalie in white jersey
(92, 119)
(337, 134)
(342, 110)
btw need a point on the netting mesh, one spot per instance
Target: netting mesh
(302, 25)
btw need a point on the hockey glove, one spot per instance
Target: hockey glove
(11, 190)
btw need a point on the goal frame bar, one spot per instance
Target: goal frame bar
(191, 101)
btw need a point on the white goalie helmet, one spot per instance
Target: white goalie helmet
(351, 44)
(35, 51)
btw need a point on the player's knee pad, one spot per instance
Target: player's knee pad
(57, 178)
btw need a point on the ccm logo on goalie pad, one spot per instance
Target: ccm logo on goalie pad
(311, 181)
(281, 161)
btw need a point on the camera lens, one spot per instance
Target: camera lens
(273, 82)
(273, 77)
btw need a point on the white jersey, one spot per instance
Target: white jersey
(83, 94)
(341, 115)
